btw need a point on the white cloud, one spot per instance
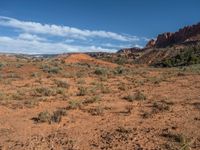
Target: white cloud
(69, 40)
(116, 45)
(31, 37)
(146, 39)
(64, 31)
(18, 45)
(138, 46)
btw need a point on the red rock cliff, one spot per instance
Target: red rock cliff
(188, 33)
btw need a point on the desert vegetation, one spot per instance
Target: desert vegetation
(189, 56)
(108, 106)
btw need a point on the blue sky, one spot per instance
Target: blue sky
(58, 26)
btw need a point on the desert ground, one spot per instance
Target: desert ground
(77, 102)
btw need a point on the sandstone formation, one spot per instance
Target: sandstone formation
(151, 43)
(186, 34)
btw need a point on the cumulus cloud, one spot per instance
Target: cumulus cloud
(65, 31)
(19, 45)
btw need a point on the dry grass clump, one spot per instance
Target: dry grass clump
(91, 100)
(101, 71)
(44, 91)
(50, 69)
(138, 96)
(74, 104)
(97, 111)
(45, 116)
(82, 91)
(160, 107)
(62, 84)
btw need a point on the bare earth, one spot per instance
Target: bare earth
(104, 105)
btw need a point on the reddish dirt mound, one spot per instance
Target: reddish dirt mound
(84, 58)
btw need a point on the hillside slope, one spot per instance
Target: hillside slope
(170, 49)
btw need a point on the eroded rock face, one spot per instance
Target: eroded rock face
(151, 43)
(164, 39)
(188, 33)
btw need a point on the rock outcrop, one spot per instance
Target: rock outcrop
(129, 50)
(186, 34)
(151, 43)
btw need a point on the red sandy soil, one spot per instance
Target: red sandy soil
(169, 117)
